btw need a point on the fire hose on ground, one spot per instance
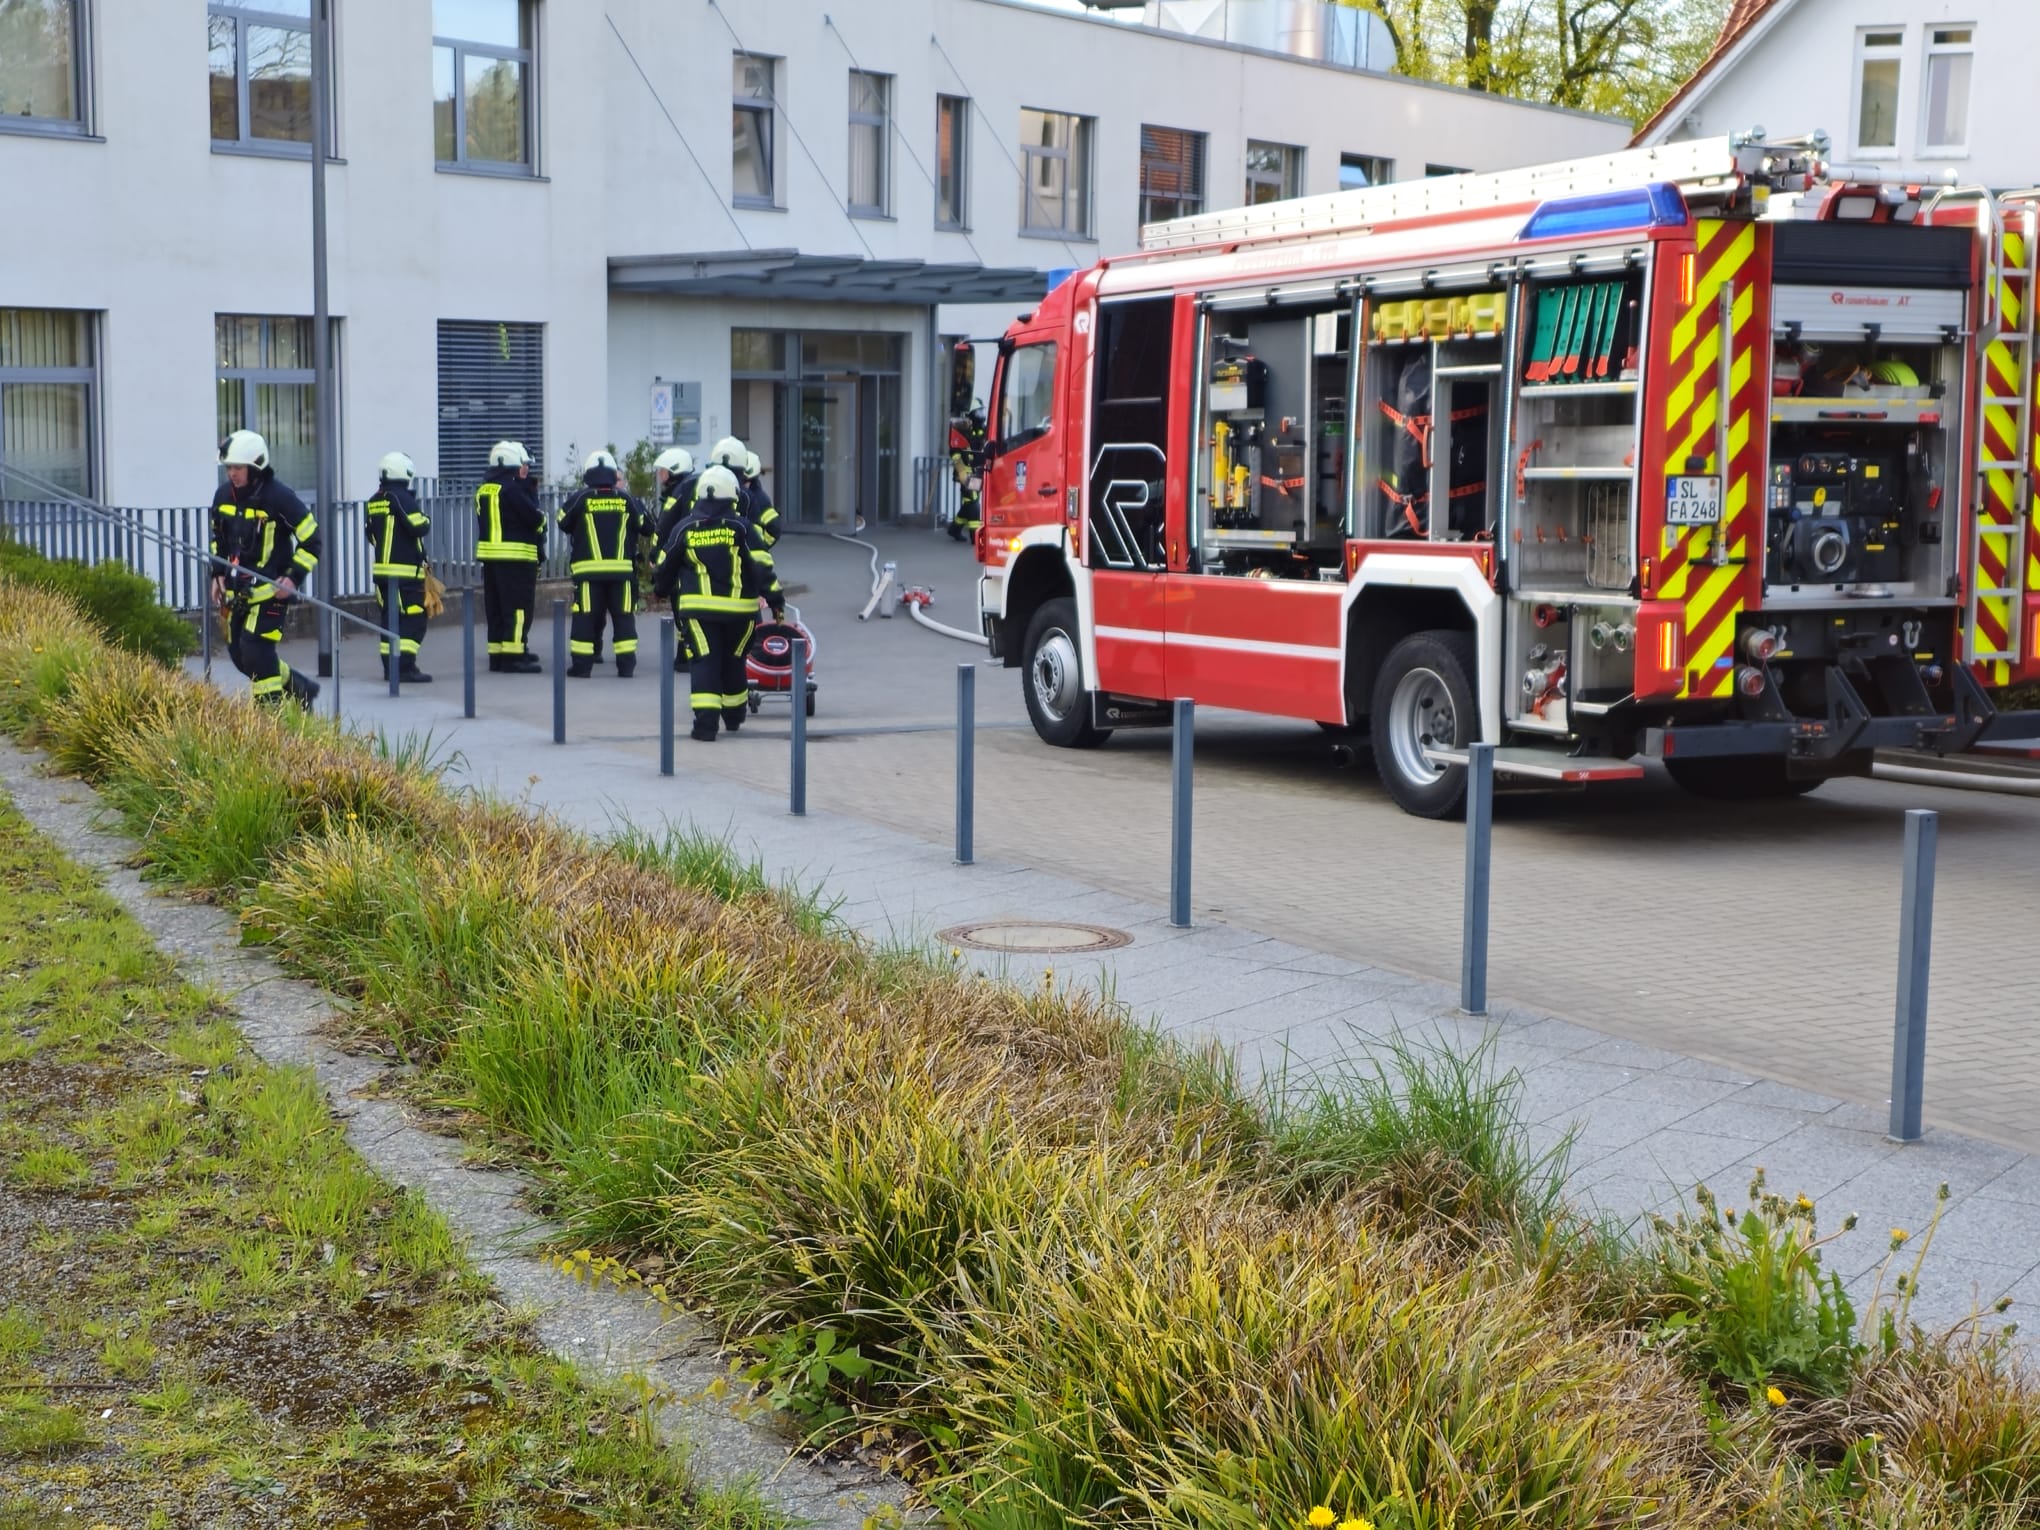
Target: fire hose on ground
(916, 598)
(881, 579)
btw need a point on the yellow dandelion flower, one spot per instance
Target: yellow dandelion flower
(1898, 1236)
(1321, 1518)
(1804, 1204)
(1774, 1397)
(1358, 1522)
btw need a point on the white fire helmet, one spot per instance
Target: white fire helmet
(599, 459)
(716, 483)
(509, 454)
(397, 468)
(244, 448)
(752, 466)
(728, 452)
(676, 460)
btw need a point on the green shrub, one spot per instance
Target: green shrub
(1745, 1300)
(120, 602)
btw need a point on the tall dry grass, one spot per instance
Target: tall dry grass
(1090, 1279)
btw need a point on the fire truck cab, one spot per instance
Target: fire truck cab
(1712, 452)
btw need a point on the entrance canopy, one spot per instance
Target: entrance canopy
(823, 278)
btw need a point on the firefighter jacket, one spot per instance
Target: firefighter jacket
(675, 507)
(760, 512)
(396, 532)
(715, 567)
(603, 524)
(263, 529)
(510, 528)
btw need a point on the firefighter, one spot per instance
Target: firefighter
(715, 574)
(396, 531)
(265, 541)
(674, 471)
(509, 540)
(758, 507)
(604, 526)
(967, 462)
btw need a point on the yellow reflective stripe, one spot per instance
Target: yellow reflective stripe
(506, 552)
(725, 604)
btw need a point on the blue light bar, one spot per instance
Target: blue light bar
(1657, 205)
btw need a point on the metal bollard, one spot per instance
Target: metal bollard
(666, 695)
(393, 661)
(966, 761)
(1181, 746)
(798, 787)
(329, 625)
(1915, 948)
(467, 650)
(207, 614)
(559, 672)
(329, 649)
(1480, 814)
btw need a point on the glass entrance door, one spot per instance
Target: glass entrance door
(830, 485)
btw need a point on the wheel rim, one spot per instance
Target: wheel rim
(1055, 675)
(1421, 717)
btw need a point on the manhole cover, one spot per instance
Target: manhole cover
(1035, 937)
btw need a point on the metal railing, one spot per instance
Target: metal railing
(936, 493)
(159, 543)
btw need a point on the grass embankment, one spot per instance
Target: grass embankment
(1080, 1274)
(215, 1314)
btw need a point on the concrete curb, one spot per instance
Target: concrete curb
(609, 1332)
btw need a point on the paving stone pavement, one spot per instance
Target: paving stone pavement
(1761, 935)
(1650, 1121)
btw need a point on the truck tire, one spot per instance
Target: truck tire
(1739, 778)
(1052, 670)
(1424, 696)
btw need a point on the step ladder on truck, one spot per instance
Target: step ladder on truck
(1715, 453)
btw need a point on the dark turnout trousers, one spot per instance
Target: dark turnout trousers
(509, 591)
(715, 653)
(596, 601)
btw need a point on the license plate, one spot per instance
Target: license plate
(1692, 501)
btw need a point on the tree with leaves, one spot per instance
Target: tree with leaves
(1622, 57)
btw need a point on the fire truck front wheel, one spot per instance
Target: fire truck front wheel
(1058, 702)
(1423, 699)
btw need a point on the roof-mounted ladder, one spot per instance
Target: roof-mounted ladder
(1710, 170)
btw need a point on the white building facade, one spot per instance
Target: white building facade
(1915, 88)
(585, 224)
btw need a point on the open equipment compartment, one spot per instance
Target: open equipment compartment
(1268, 489)
(1428, 413)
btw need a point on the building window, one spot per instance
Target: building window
(1357, 170)
(491, 388)
(952, 150)
(1432, 172)
(266, 384)
(482, 84)
(260, 62)
(1274, 172)
(47, 376)
(870, 122)
(1055, 155)
(1171, 173)
(753, 166)
(1877, 70)
(1950, 52)
(42, 73)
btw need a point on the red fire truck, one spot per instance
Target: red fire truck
(1713, 453)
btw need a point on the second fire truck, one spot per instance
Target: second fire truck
(1713, 453)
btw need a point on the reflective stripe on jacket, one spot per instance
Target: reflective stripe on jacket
(509, 527)
(396, 530)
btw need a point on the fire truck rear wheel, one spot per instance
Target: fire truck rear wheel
(1423, 699)
(1058, 702)
(1739, 778)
